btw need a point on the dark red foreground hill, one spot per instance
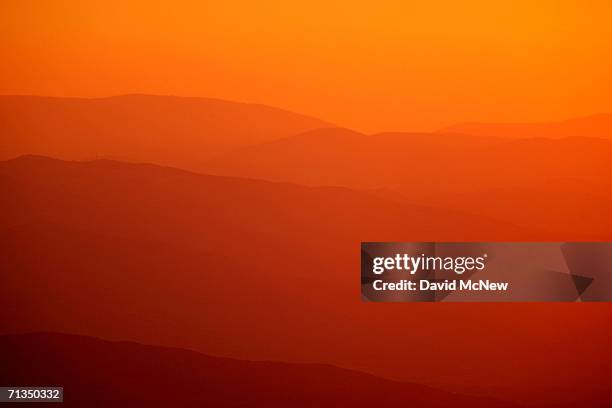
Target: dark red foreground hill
(98, 373)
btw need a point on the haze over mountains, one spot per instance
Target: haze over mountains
(548, 184)
(260, 260)
(258, 270)
(545, 176)
(177, 131)
(589, 126)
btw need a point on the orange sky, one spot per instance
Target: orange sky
(384, 65)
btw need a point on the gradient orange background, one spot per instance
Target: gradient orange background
(134, 244)
(369, 66)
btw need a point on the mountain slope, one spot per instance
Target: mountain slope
(337, 156)
(589, 126)
(95, 372)
(169, 130)
(259, 270)
(561, 185)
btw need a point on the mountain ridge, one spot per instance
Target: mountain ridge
(594, 125)
(507, 177)
(176, 131)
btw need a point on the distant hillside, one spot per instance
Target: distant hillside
(562, 185)
(589, 126)
(101, 373)
(168, 130)
(342, 157)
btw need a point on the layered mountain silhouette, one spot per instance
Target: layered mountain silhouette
(95, 372)
(589, 126)
(561, 185)
(169, 130)
(550, 176)
(337, 156)
(260, 270)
